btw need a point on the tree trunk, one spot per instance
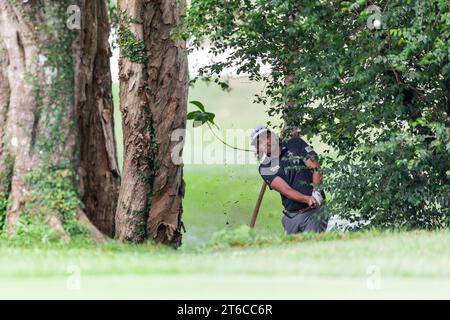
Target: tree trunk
(5, 168)
(57, 136)
(153, 94)
(98, 169)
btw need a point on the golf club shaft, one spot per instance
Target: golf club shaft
(258, 204)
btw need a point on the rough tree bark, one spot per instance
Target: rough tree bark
(5, 169)
(55, 114)
(99, 169)
(153, 94)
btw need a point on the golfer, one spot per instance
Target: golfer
(291, 169)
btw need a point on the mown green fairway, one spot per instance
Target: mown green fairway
(405, 265)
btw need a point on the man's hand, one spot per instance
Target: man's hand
(316, 194)
(312, 202)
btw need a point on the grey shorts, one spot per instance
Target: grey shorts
(315, 220)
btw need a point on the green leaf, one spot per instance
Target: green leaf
(198, 104)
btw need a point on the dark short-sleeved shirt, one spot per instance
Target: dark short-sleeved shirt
(290, 166)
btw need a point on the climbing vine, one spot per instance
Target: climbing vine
(53, 194)
(59, 67)
(131, 47)
(53, 184)
(3, 207)
(5, 184)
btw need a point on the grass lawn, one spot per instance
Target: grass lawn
(221, 197)
(373, 265)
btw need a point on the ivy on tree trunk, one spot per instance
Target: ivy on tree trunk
(57, 153)
(153, 98)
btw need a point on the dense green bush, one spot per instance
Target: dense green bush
(379, 97)
(398, 183)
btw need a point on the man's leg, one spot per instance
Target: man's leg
(317, 220)
(295, 224)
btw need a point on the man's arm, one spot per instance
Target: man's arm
(283, 187)
(314, 165)
(310, 158)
